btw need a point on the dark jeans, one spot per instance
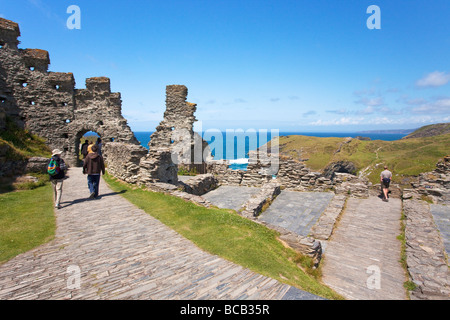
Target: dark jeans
(93, 184)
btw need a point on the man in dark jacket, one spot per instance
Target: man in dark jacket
(57, 177)
(93, 166)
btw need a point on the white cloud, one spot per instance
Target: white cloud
(441, 106)
(433, 79)
(371, 102)
(389, 120)
(309, 113)
(338, 111)
(338, 122)
(367, 110)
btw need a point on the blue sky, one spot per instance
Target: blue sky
(300, 65)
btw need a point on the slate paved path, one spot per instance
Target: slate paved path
(362, 257)
(297, 211)
(441, 216)
(230, 197)
(122, 252)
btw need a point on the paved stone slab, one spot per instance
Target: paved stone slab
(441, 216)
(297, 211)
(362, 257)
(230, 197)
(121, 252)
(296, 294)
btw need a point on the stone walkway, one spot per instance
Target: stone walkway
(120, 252)
(297, 211)
(441, 215)
(362, 257)
(230, 197)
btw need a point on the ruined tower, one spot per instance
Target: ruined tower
(48, 104)
(176, 131)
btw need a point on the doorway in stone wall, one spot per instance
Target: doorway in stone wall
(85, 136)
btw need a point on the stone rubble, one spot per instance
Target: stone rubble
(436, 184)
(200, 184)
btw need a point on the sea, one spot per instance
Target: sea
(235, 146)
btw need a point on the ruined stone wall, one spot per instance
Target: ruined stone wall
(123, 160)
(176, 131)
(436, 184)
(47, 103)
(291, 174)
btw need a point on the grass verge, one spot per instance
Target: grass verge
(27, 220)
(226, 234)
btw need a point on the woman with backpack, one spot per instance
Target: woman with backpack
(56, 170)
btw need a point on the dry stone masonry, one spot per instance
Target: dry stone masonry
(47, 103)
(436, 184)
(176, 131)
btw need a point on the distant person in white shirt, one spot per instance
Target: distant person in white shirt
(385, 179)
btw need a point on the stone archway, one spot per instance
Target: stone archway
(79, 142)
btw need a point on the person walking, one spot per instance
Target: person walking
(93, 166)
(57, 171)
(99, 145)
(385, 179)
(84, 149)
(89, 148)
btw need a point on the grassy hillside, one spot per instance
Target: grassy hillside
(406, 157)
(19, 144)
(430, 130)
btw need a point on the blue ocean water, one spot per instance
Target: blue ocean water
(235, 146)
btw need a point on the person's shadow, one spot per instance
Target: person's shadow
(66, 204)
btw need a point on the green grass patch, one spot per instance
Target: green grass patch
(228, 235)
(27, 220)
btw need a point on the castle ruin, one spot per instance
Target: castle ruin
(48, 104)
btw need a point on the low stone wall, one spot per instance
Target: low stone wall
(200, 184)
(436, 184)
(351, 185)
(37, 164)
(291, 174)
(10, 168)
(254, 176)
(123, 160)
(255, 205)
(425, 252)
(305, 245)
(323, 228)
(157, 166)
